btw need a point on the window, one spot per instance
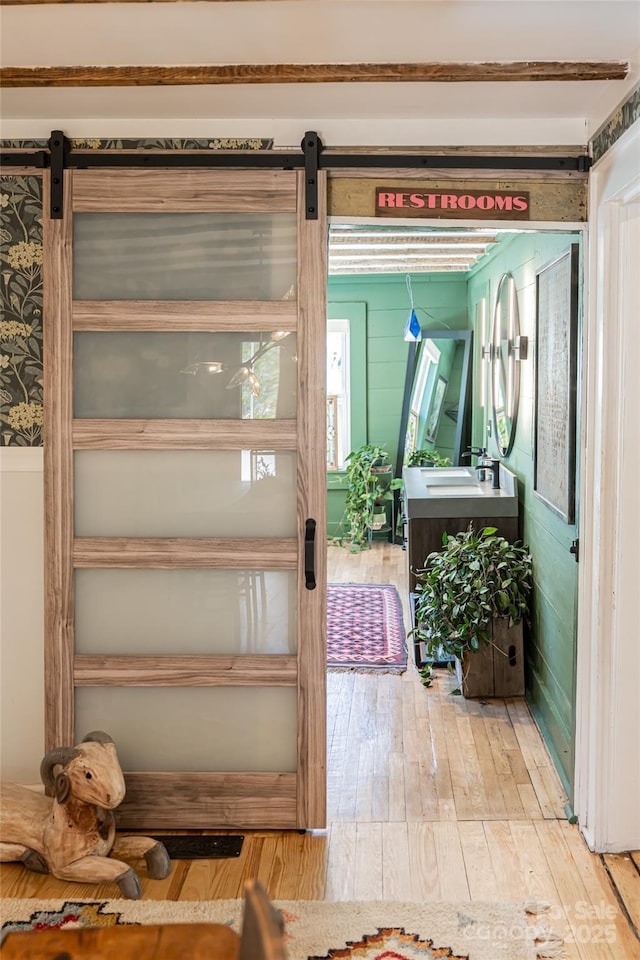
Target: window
(422, 394)
(338, 378)
(346, 379)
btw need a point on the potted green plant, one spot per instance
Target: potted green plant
(426, 458)
(471, 599)
(370, 483)
(379, 518)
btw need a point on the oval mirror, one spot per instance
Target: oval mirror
(505, 369)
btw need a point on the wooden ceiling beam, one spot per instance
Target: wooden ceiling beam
(151, 76)
(30, 3)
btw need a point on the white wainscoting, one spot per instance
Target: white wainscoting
(21, 614)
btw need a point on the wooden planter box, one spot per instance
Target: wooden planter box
(496, 670)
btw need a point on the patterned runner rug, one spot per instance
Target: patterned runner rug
(332, 931)
(365, 630)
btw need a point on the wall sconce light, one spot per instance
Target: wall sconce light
(485, 350)
(520, 348)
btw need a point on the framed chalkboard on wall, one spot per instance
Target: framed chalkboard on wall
(555, 390)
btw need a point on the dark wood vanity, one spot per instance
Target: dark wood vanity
(438, 501)
(423, 535)
(429, 510)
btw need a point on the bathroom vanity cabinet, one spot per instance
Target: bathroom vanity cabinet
(423, 535)
(447, 500)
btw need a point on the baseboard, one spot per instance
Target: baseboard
(566, 775)
(549, 744)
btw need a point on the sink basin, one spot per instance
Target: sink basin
(439, 474)
(449, 477)
(466, 480)
(456, 492)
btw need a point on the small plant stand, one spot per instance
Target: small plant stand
(496, 670)
(419, 655)
(370, 486)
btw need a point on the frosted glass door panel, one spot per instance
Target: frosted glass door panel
(199, 612)
(234, 729)
(239, 376)
(185, 493)
(184, 256)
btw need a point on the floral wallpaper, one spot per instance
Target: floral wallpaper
(619, 121)
(163, 143)
(21, 321)
(21, 318)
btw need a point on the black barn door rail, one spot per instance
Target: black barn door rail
(310, 159)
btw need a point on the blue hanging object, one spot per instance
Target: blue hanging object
(412, 328)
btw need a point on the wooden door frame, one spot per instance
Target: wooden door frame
(607, 772)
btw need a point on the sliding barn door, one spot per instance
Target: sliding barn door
(185, 466)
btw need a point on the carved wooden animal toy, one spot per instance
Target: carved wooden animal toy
(72, 834)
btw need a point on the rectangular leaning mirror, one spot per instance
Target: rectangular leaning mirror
(436, 407)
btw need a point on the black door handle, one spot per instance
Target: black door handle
(310, 554)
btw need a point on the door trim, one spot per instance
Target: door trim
(235, 799)
(58, 471)
(607, 792)
(312, 430)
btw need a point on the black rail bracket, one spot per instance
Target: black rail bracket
(34, 158)
(59, 150)
(311, 148)
(311, 158)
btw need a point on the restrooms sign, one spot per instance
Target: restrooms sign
(453, 204)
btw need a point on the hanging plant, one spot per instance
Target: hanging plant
(370, 483)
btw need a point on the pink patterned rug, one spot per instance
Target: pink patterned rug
(365, 630)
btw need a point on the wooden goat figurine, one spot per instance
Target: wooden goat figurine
(72, 835)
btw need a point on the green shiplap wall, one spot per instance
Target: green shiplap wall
(387, 306)
(551, 640)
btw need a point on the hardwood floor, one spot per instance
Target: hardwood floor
(431, 797)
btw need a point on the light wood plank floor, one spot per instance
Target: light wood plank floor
(431, 797)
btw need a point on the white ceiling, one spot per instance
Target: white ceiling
(308, 31)
(381, 249)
